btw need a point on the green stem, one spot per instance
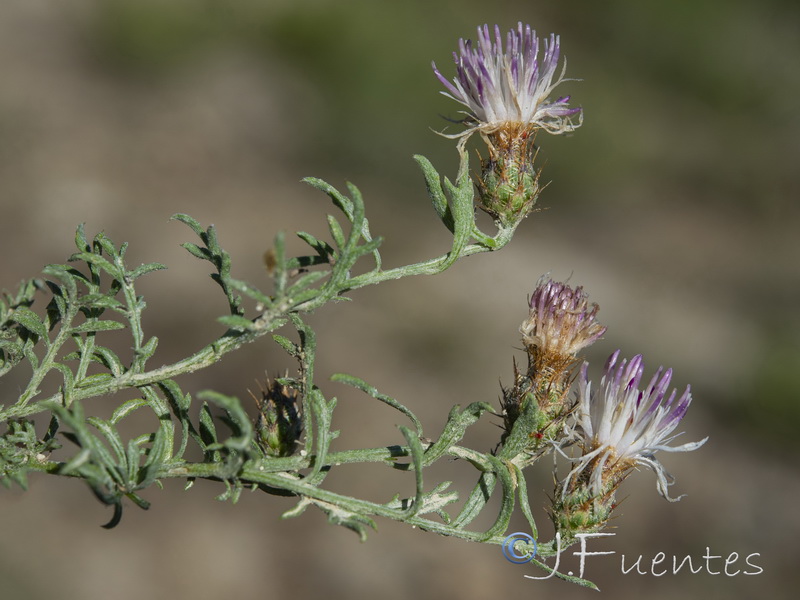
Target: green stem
(44, 366)
(433, 266)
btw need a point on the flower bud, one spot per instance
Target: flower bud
(508, 186)
(279, 424)
(560, 323)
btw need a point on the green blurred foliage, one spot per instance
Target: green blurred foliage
(769, 407)
(147, 38)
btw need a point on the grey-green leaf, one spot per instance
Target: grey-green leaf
(91, 325)
(236, 322)
(30, 321)
(144, 269)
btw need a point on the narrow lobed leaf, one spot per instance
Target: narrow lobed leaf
(144, 269)
(362, 385)
(336, 232)
(195, 250)
(237, 323)
(93, 325)
(127, 408)
(81, 243)
(189, 221)
(30, 321)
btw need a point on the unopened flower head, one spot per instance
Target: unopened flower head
(621, 426)
(279, 423)
(510, 87)
(561, 321)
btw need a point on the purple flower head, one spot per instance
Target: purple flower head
(512, 85)
(621, 425)
(561, 320)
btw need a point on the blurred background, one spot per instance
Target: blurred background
(675, 205)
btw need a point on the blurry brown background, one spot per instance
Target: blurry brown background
(675, 205)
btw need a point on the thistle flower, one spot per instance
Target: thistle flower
(561, 321)
(618, 428)
(510, 88)
(506, 93)
(622, 426)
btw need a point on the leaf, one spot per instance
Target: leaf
(13, 351)
(108, 359)
(27, 351)
(416, 458)
(371, 391)
(195, 250)
(208, 432)
(454, 429)
(297, 510)
(237, 323)
(336, 231)
(509, 496)
(462, 209)
(57, 308)
(102, 241)
(529, 419)
(238, 420)
(144, 269)
(81, 243)
(93, 325)
(149, 348)
(189, 221)
(99, 300)
(76, 462)
(132, 456)
(291, 348)
(180, 403)
(30, 321)
(250, 291)
(69, 380)
(127, 408)
(176, 396)
(433, 183)
(369, 247)
(316, 409)
(68, 276)
(338, 198)
(323, 248)
(337, 515)
(156, 456)
(432, 502)
(306, 281)
(210, 238)
(97, 261)
(113, 437)
(523, 499)
(116, 518)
